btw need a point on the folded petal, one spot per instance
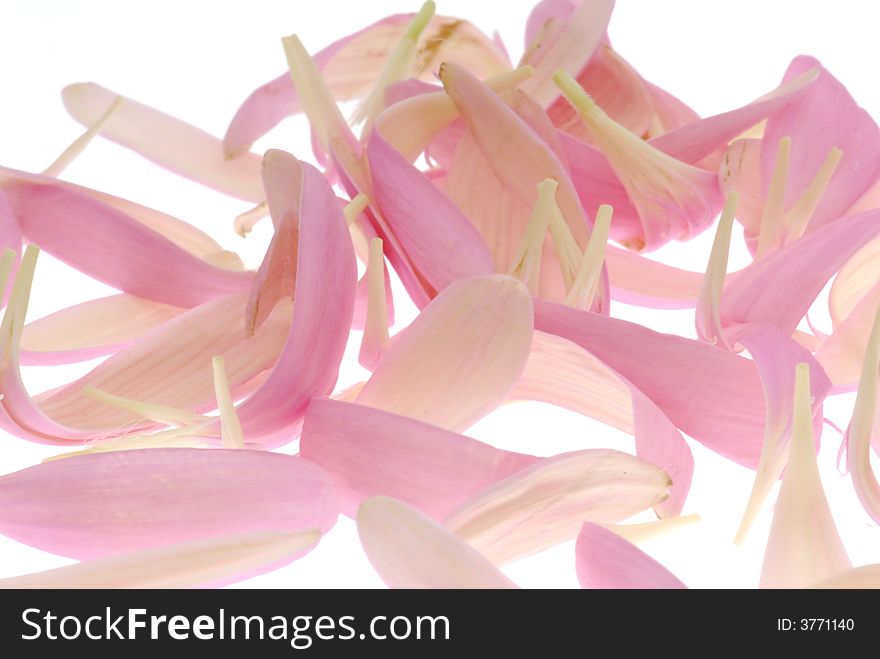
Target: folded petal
(351, 65)
(804, 546)
(326, 277)
(605, 560)
(195, 564)
(461, 356)
(545, 504)
(409, 550)
(97, 505)
(169, 142)
(638, 280)
(841, 353)
(368, 452)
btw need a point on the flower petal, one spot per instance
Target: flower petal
(195, 564)
(804, 546)
(461, 356)
(368, 452)
(605, 560)
(97, 505)
(866, 576)
(351, 65)
(546, 503)
(409, 550)
(169, 142)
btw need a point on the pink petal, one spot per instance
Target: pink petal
(638, 280)
(91, 329)
(195, 564)
(326, 276)
(545, 504)
(564, 41)
(670, 112)
(439, 241)
(368, 452)
(351, 65)
(169, 142)
(410, 550)
(779, 288)
(842, 353)
(866, 576)
(98, 505)
(115, 248)
(563, 373)
(863, 425)
(605, 560)
(709, 393)
(825, 117)
(804, 546)
(461, 356)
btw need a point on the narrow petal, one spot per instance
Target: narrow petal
(114, 248)
(169, 142)
(106, 503)
(841, 354)
(638, 280)
(368, 452)
(195, 564)
(461, 356)
(545, 504)
(375, 339)
(861, 428)
(804, 546)
(91, 329)
(441, 243)
(776, 357)
(605, 560)
(409, 550)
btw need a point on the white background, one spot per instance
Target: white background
(198, 60)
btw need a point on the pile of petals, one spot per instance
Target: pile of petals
(516, 203)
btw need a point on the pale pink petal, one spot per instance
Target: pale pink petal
(545, 504)
(91, 329)
(865, 576)
(439, 241)
(605, 560)
(115, 248)
(862, 425)
(368, 452)
(616, 87)
(670, 112)
(780, 288)
(564, 41)
(776, 356)
(326, 276)
(97, 505)
(461, 356)
(740, 172)
(711, 394)
(804, 546)
(841, 354)
(351, 65)
(638, 280)
(196, 564)
(825, 117)
(409, 550)
(169, 142)
(854, 281)
(563, 373)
